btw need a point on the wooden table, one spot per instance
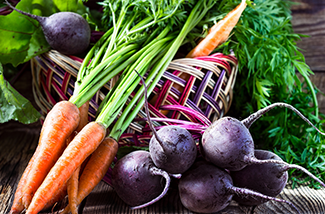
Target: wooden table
(18, 142)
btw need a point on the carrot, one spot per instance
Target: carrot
(56, 198)
(82, 145)
(17, 205)
(60, 122)
(95, 169)
(83, 116)
(219, 33)
(72, 186)
(73, 191)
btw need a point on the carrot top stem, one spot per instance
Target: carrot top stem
(156, 72)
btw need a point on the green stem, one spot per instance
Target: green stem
(84, 65)
(91, 89)
(130, 81)
(311, 86)
(115, 31)
(197, 13)
(97, 72)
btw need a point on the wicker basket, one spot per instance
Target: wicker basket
(208, 90)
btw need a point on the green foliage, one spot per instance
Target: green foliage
(290, 137)
(13, 105)
(22, 38)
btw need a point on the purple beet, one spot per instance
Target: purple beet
(228, 143)
(269, 178)
(206, 188)
(66, 32)
(137, 181)
(172, 148)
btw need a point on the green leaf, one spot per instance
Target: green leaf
(14, 106)
(64, 5)
(22, 37)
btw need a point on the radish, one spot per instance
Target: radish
(137, 181)
(206, 188)
(228, 143)
(66, 32)
(172, 148)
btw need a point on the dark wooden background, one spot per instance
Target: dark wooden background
(18, 142)
(309, 19)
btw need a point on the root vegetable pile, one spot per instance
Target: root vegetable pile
(229, 168)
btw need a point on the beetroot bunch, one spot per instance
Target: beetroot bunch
(226, 167)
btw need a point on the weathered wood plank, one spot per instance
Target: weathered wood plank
(308, 19)
(17, 145)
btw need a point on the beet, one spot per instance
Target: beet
(228, 143)
(206, 188)
(268, 179)
(137, 181)
(172, 148)
(66, 32)
(176, 150)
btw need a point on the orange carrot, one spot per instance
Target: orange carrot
(82, 145)
(59, 196)
(83, 116)
(17, 205)
(60, 122)
(72, 187)
(73, 191)
(219, 33)
(95, 169)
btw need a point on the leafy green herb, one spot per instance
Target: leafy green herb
(14, 106)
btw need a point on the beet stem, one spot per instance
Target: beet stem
(253, 117)
(287, 166)
(38, 18)
(247, 192)
(178, 176)
(160, 172)
(148, 113)
(294, 166)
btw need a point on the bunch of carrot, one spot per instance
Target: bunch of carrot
(61, 124)
(73, 154)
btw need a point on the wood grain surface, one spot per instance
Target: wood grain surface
(308, 18)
